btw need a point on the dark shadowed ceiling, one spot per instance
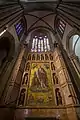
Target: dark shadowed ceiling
(7, 1)
(40, 13)
(45, 6)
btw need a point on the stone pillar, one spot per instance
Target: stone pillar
(68, 91)
(13, 86)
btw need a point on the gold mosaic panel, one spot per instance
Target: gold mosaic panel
(40, 89)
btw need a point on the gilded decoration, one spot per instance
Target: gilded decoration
(40, 90)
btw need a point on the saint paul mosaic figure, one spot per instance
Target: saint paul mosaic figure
(40, 80)
(40, 90)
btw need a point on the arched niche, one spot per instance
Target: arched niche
(25, 79)
(55, 79)
(58, 96)
(22, 97)
(7, 49)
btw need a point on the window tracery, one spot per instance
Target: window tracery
(40, 44)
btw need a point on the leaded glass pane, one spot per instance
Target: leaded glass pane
(40, 44)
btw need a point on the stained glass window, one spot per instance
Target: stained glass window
(40, 44)
(75, 42)
(20, 28)
(60, 27)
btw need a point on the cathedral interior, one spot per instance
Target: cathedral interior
(40, 61)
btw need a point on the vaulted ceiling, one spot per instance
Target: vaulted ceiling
(40, 14)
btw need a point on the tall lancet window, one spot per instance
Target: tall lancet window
(40, 44)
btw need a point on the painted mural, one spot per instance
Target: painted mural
(40, 91)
